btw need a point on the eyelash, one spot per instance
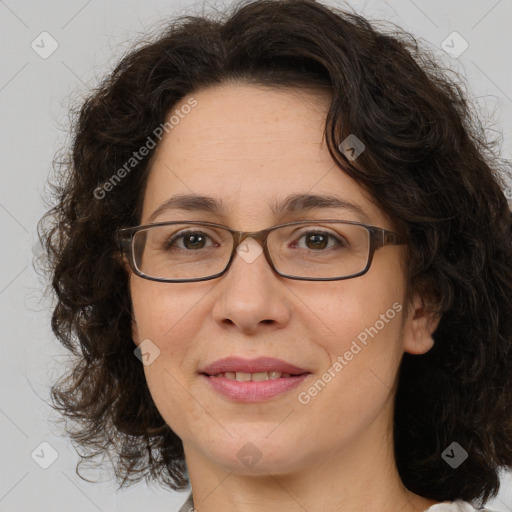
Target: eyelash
(169, 242)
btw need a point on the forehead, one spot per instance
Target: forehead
(248, 146)
(254, 123)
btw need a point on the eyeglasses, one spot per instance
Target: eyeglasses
(310, 250)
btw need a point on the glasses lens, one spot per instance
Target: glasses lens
(320, 250)
(181, 251)
(195, 251)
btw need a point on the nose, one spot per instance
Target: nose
(251, 295)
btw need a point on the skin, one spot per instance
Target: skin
(247, 145)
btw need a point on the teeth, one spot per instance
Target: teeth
(245, 377)
(260, 376)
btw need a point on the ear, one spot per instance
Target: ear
(123, 261)
(135, 327)
(135, 330)
(419, 327)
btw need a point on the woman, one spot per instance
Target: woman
(295, 224)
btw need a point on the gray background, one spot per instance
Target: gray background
(35, 94)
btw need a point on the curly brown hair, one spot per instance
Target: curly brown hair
(428, 164)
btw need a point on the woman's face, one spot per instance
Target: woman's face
(249, 148)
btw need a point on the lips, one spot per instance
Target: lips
(252, 380)
(259, 365)
(257, 376)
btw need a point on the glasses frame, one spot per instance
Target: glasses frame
(379, 237)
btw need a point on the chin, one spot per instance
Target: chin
(257, 455)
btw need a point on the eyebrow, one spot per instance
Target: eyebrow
(292, 204)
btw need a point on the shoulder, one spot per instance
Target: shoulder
(455, 506)
(188, 506)
(446, 506)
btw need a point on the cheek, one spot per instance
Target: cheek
(358, 309)
(167, 322)
(367, 349)
(167, 392)
(163, 323)
(359, 382)
(166, 311)
(363, 341)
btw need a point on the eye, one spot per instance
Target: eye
(188, 240)
(319, 240)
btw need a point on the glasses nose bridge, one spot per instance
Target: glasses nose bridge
(259, 236)
(240, 236)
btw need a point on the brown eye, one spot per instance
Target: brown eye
(318, 240)
(189, 240)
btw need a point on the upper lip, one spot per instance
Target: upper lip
(260, 364)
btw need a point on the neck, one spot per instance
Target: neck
(357, 477)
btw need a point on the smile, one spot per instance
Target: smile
(259, 376)
(256, 387)
(252, 380)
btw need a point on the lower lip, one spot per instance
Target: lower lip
(254, 391)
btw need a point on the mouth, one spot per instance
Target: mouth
(257, 376)
(260, 367)
(256, 380)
